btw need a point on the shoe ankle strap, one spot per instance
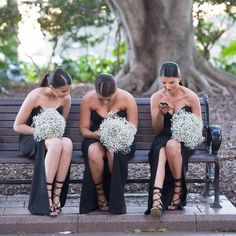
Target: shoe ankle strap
(58, 183)
(157, 188)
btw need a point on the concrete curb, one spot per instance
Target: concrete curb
(38, 224)
(197, 216)
(117, 223)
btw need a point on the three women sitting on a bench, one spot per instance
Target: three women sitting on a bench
(105, 170)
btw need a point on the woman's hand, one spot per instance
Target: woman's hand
(164, 107)
(97, 135)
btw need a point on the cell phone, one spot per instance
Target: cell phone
(164, 104)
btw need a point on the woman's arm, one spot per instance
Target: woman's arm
(67, 106)
(85, 114)
(26, 108)
(195, 104)
(156, 115)
(132, 110)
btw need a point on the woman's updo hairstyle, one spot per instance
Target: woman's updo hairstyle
(105, 85)
(170, 69)
(56, 79)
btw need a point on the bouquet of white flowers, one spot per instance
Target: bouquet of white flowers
(48, 124)
(186, 127)
(117, 134)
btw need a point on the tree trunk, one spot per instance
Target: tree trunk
(157, 31)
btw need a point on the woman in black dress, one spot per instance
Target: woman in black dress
(52, 155)
(105, 171)
(168, 158)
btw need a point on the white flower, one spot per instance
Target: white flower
(117, 134)
(48, 124)
(187, 128)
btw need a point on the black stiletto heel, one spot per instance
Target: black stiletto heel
(177, 203)
(157, 206)
(57, 205)
(102, 202)
(51, 211)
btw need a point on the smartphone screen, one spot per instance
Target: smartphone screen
(164, 103)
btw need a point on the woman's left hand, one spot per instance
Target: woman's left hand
(97, 135)
(165, 108)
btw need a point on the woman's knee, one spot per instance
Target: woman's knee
(96, 152)
(54, 144)
(67, 144)
(173, 148)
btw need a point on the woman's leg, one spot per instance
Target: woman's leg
(62, 170)
(160, 174)
(52, 159)
(65, 159)
(175, 161)
(110, 158)
(157, 206)
(174, 158)
(96, 155)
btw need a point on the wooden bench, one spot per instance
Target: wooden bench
(207, 152)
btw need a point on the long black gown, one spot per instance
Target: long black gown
(168, 186)
(38, 202)
(114, 183)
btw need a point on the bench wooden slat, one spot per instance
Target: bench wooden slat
(141, 156)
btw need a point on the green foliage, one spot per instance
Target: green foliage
(67, 18)
(9, 18)
(87, 68)
(9, 50)
(3, 79)
(227, 61)
(120, 50)
(226, 65)
(229, 51)
(30, 72)
(207, 32)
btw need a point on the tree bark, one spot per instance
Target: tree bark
(156, 31)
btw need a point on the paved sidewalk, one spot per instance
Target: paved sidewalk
(197, 216)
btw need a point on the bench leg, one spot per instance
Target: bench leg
(216, 203)
(208, 177)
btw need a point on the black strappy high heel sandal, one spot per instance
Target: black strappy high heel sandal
(157, 206)
(102, 202)
(57, 194)
(176, 204)
(51, 211)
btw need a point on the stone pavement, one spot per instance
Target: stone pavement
(196, 217)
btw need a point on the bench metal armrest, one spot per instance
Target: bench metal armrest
(214, 138)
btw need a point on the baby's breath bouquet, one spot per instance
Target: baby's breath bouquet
(117, 134)
(48, 124)
(187, 128)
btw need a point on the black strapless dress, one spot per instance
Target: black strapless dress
(168, 186)
(38, 202)
(114, 183)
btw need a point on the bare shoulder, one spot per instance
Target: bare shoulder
(125, 95)
(157, 95)
(67, 99)
(89, 97)
(191, 98)
(190, 94)
(34, 94)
